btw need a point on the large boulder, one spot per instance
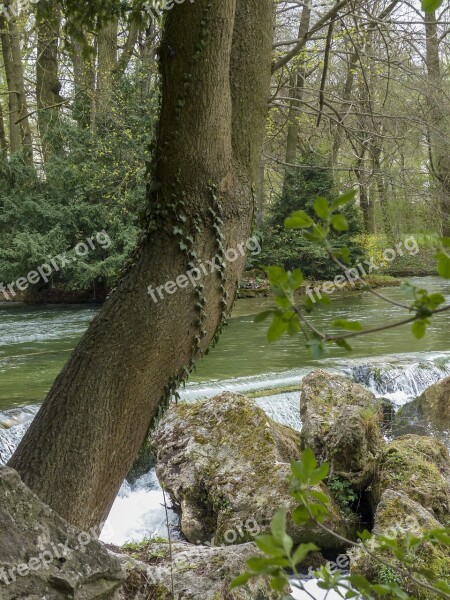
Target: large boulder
(198, 573)
(342, 423)
(396, 515)
(42, 556)
(420, 467)
(427, 415)
(226, 466)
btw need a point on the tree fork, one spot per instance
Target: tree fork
(95, 418)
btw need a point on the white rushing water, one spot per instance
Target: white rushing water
(139, 512)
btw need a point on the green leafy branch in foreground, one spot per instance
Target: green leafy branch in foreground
(290, 316)
(398, 554)
(431, 5)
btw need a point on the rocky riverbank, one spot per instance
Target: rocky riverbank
(225, 465)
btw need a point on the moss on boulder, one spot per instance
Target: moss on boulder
(226, 465)
(427, 415)
(199, 573)
(342, 423)
(397, 514)
(420, 467)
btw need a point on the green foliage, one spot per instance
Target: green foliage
(281, 555)
(292, 247)
(289, 316)
(431, 5)
(96, 183)
(342, 492)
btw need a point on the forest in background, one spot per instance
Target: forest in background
(359, 98)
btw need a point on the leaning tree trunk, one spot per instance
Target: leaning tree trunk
(215, 62)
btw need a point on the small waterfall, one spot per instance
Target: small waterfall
(13, 425)
(401, 380)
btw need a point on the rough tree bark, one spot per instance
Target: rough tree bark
(3, 140)
(107, 66)
(215, 64)
(84, 81)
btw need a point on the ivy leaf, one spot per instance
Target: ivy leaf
(348, 325)
(340, 223)
(322, 208)
(431, 5)
(299, 220)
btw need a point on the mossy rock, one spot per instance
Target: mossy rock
(226, 466)
(342, 423)
(427, 415)
(420, 467)
(396, 515)
(199, 573)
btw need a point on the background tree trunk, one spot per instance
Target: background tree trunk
(297, 86)
(19, 126)
(107, 66)
(438, 120)
(216, 60)
(48, 86)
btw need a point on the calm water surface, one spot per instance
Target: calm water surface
(35, 342)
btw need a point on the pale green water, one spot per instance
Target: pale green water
(35, 342)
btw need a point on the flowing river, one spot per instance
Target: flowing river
(35, 342)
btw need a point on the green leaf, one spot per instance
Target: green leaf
(340, 223)
(344, 344)
(431, 5)
(309, 462)
(343, 254)
(302, 552)
(241, 580)
(320, 474)
(278, 526)
(322, 208)
(279, 583)
(317, 348)
(318, 234)
(419, 328)
(443, 265)
(299, 220)
(445, 241)
(344, 199)
(348, 325)
(268, 544)
(263, 316)
(276, 330)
